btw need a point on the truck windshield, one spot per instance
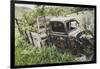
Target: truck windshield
(57, 26)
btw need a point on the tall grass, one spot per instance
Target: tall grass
(25, 54)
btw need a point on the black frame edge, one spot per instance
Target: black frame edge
(12, 33)
(52, 3)
(12, 51)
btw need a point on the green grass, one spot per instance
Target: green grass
(28, 55)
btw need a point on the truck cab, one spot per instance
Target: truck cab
(62, 28)
(63, 25)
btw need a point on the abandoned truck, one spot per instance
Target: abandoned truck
(65, 33)
(62, 32)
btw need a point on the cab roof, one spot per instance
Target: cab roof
(62, 19)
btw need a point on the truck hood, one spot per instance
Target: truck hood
(74, 33)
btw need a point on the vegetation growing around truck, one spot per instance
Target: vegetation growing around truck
(26, 19)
